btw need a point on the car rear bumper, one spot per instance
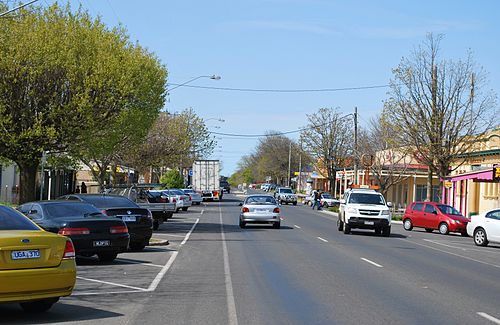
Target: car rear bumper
(253, 218)
(462, 227)
(34, 284)
(367, 223)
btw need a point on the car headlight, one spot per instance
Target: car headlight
(352, 210)
(385, 212)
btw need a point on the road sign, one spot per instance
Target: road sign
(190, 172)
(448, 184)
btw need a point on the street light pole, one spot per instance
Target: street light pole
(289, 162)
(355, 146)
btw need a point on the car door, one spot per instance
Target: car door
(431, 216)
(492, 223)
(418, 215)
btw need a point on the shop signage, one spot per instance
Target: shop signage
(448, 184)
(496, 173)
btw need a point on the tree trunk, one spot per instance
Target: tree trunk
(429, 185)
(27, 177)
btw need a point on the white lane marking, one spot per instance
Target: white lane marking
(202, 210)
(454, 254)
(322, 239)
(163, 271)
(231, 305)
(189, 233)
(137, 263)
(169, 235)
(438, 243)
(296, 226)
(489, 317)
(107, 293)
(111, 283)
(281, 218)
(371, 262)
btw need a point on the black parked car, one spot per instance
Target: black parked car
(91, 231)
(139, 220)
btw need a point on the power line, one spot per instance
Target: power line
(281, 90)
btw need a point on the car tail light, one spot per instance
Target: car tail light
(104, 212)
(67, 231)
(174, 200)
(69, 250)
(181, 199)
(118, 229)
(276, 210)
(245, 209)
(216, 193)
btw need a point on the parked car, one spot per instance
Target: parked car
(285, 195)
(485, 227)
(139, 220)
(147, 196)
(182, 201)
(432, 216)
(36, 267)
(90, 230)
(195, 196)
(327, 200)
(260, 209)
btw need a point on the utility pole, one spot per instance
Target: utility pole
(355, 146)
(300, 165)
(289, 162)
(42, 175)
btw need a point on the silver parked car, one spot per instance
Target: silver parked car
(260, 209)
(196, 197)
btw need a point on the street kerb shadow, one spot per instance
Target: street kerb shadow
(372, 234)
(60, 312)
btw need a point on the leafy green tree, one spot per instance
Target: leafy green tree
(172, 179)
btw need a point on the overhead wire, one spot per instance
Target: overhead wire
(282, 90)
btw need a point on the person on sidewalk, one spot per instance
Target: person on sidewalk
(83, 188)
(317, 197)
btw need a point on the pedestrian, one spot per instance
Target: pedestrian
(317, 197)
(77, 190)
(83, 188)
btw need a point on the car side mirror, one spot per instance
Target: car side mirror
(342, 201)
(389, 204)
(32, 212)
(240, 204)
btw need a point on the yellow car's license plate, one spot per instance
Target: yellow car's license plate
(22, 255)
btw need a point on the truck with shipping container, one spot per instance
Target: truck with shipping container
(206, 179)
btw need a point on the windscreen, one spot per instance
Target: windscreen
(73, 209)
(260, 200)
(366, 198)
(109, 201)
(286, 191)
(446, 209)
(10, 219)
(327, 195)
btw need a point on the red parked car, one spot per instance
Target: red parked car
(431, 216)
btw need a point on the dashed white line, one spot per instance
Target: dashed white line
(296, 226)
(489, 317)
(202, 210)
(371, 262)
(322, 239)
(189, 233)
(163, 271)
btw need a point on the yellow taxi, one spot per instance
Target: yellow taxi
(36, 267)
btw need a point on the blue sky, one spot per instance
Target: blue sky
(294, 44)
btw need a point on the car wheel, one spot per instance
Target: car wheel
(408, 225)
(156, 224)
(386, 231)
(242, 224)
(443, 229)
(325, 205)
(38, 306)
(340, 225)
(185, 209)
(107, 257)
(480, 238)
(277, 225)
(347, 229)
(295, 203)
(177, 210)
(137, 246)
(429, 229)
(378, 231)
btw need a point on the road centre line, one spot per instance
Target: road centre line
(111, 283)
(231, 305)
(296, 226)
(371, 262)
(489, 317)
(322, 239)
(202, 210)
(454, 254)
(189, 233)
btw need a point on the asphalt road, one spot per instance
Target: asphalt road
(307, 272)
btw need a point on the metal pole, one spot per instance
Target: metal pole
(289, 162)
(355, 146)
(42, 176)
(300, 166)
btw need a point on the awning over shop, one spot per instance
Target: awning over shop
(477, 175)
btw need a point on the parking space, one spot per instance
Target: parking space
(136, 272)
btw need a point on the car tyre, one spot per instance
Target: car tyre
(277, 225)
(480, 238)
(386, 231)
(295, 203)
(378, 231)
(242, 224)
(38, 306)
(185, 209)
(443, 228)
(107, 256)
(464, 234)
(156, 224)
(408, 225)
(347, 229)
(429, 229)
(340, 225)
(137, 246)
(325, 205)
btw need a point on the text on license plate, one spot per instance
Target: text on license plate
(370, 223)
(22, 255)
(99, 243)
(129, 218)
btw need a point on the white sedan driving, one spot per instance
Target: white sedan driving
(260, 209)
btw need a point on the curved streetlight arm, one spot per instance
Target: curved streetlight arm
(213, 77)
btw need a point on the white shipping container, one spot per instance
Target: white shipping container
(206, 176)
